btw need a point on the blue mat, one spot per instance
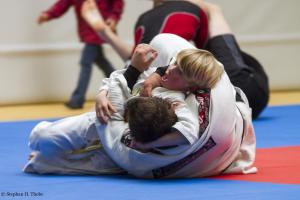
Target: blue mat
(278, 126)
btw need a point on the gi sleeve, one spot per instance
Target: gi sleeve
(116, 9)
(131, 75)
(59, 8)
(187, 123)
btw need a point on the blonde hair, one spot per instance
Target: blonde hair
(199, 67)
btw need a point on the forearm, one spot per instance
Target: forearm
(153, 81)
(123, 49)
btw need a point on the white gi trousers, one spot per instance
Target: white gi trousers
(54, 142)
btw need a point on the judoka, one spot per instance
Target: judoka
(226, 142)
(72, 145)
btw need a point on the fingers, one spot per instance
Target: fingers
(151, 55)
(42, 18)
(145, 49)
(104, 112)
(153, 81)
(101, 117)
(146, 91)
(143, 56)
(111, 108)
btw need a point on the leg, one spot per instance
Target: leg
(222, 42)
(243, 70)
(59, 138)
(96, 163)
(92, 16)
(88, 56)
(53, 142)
(103, 63)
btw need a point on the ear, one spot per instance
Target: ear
(175, 104)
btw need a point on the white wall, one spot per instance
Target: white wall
(40, 63)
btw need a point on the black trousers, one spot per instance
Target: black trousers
(243, 70)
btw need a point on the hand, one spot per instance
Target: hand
(104, 108)
(112, 23)
(44, 17)
(149, 84)
(143, 56)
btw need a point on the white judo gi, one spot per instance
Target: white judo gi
(226, 146)
(54, 142)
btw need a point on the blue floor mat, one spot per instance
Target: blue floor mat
(278, 126)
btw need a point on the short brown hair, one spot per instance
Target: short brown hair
(199, 67)
(149, 118)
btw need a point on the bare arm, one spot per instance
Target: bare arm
(122, 48)
(91, 15)
(150, 83)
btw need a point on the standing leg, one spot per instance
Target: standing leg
(103, 63)
(88, 56)
(243, 70)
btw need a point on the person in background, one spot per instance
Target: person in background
(183, 18)
(111, 11)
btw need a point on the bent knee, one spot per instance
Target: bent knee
(43, 140)
(37, 132)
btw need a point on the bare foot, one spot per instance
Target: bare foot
(91, 15)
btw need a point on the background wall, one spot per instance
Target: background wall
(40, 63)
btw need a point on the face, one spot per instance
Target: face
(173, 79)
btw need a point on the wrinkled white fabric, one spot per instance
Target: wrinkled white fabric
(222, 147)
